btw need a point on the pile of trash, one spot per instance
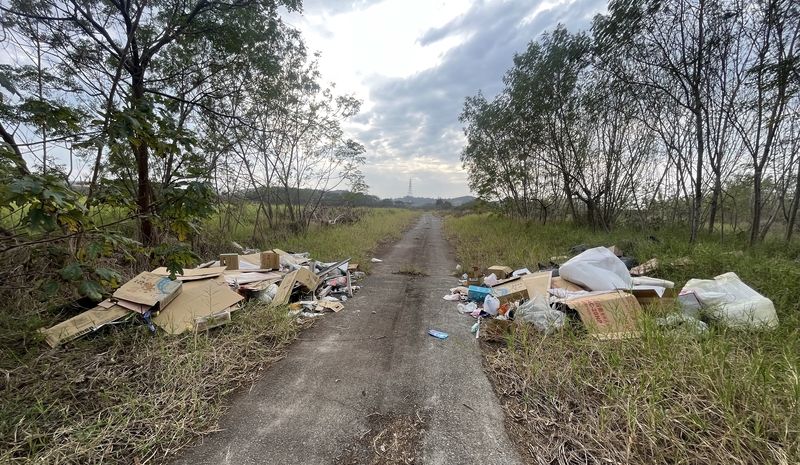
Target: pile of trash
(204, 297)
(607, 293)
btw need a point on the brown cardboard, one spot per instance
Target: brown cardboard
(285, 289)
(614, 315)
(304, 276)
(270, 261)
(474, 276)
(198, 299)
(511, 291)
(538, 282)
(205, 323)
(307, 279)
(557, 282)
(649, 299)
(330, 305)
(150, 290)
(192, 273)
(84, 323)
(615, 250)
(229, 260)
(497, 330)
(502, 272)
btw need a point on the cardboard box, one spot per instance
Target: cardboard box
(511, 291)
(614, 315)
(478, 293)
(502, 272)
(199, 299)
(557, 282)
(474, 276)
(86, 322)
(497, 330)
(650, 298)
(149, 291)
(229, 260)
(615, 250)
(270, 261)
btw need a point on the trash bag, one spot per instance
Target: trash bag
(490, 280)
(538, 313)
(597, 269)
(733, 302)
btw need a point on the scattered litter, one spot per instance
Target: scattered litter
(376, 260)
(684, 322)
(645, 268)
(205, 297)
(467, 308)
(438, 334)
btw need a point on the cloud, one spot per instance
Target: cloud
(414, 119)
(334, 7)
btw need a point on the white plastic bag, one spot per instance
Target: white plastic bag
(491, 304)
(597, 269)
(538, 313)
(490, 280)
(733, 302)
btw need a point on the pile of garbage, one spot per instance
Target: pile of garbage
(204, 297)
(606, 293)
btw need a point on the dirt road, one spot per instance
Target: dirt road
(369, 385)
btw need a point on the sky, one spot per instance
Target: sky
(412, 63)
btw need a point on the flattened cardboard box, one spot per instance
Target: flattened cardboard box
(523, 287)
(199, 299)
(614, 315)
(150, 290)
(84, 323)
(305, 277)
(192, 273)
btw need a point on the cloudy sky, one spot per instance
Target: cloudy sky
(413, 62)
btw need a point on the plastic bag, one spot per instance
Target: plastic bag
(491, 304)
(733, 302)
(597, 269)
(490, 280)
(538, 313)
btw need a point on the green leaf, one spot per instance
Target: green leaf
(174, 269)
(71, 272)
(38, 218)
(97, 249)
(91, 289)
(48, 289)
(108, 277)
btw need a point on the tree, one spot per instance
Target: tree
(128, 45)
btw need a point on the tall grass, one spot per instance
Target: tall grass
(124, 395)
(730, 396)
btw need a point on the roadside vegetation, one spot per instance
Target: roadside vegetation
(730, 396)
(126, 395)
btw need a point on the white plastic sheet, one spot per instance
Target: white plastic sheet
(597, 269)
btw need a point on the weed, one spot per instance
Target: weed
(409, 269)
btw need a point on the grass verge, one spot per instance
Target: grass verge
(730, 396)
(124, 395)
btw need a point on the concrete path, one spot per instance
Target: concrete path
(369, 385)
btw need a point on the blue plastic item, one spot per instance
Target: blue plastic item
(478, 293)
(438, 334)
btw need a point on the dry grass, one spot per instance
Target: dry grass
(125, 395)
(655, 399)
(666, 397)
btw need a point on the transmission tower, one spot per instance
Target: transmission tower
(410, 195)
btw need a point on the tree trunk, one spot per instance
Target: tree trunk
(141, 154)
